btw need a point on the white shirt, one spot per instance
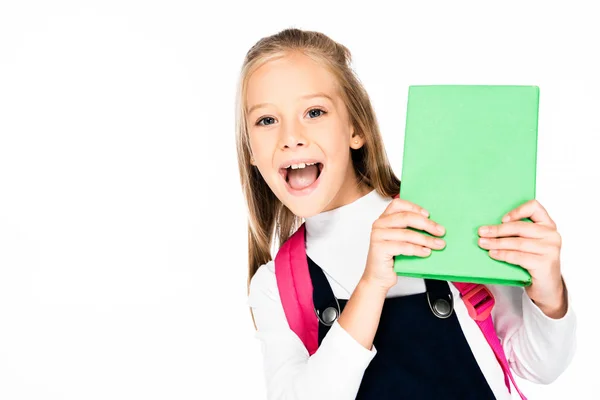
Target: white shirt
(538, 348)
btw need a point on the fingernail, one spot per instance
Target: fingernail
(439, 242)
(426, 250)
(506, 218)
(483, 241)
(425, 213)
(484, 229)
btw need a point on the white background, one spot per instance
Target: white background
(122, 223)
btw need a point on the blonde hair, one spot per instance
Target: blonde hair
(267, 215)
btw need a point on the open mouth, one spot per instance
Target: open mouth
(301, 176)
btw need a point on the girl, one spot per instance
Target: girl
(309, 150)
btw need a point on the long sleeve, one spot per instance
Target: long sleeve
(538, 347)
(335, 370)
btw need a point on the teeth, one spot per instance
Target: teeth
(301, 165)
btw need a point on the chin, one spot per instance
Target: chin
(304, 209)
(308, 204)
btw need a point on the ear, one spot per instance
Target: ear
(356, 141)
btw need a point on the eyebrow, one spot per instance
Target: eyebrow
(305, 97)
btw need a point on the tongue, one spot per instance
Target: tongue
(302, 177)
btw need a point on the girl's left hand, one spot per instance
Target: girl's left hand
(535, 247)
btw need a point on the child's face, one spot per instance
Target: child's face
(296, 116)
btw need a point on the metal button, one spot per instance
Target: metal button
(330, 314)
(442, 308)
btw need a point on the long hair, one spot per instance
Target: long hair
(268, 218)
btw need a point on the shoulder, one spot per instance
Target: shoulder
(263, 286)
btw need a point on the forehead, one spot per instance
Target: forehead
(285, 80)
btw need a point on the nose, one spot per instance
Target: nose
(292, 135)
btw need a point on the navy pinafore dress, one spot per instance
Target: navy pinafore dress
(422, 352)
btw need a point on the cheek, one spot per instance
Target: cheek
(335, 142)
(261, 144)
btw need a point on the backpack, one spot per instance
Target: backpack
(295, 289)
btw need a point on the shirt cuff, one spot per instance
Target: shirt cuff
(530, 308)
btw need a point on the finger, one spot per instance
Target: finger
(529, 261)
(532, 210)
(399, 204)
(408, 236)
(533, 246)
(405, 249)
(516, 228)
(407, 219)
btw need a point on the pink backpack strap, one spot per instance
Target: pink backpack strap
(296, 290)
(479, 302)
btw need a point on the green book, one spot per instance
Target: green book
(470, 156)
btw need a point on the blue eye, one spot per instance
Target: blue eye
(312, 113)
(316, 112)
(270, 119)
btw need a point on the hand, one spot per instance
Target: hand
(390, 237)
(535, 247)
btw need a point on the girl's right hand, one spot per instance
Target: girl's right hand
(390, 237)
